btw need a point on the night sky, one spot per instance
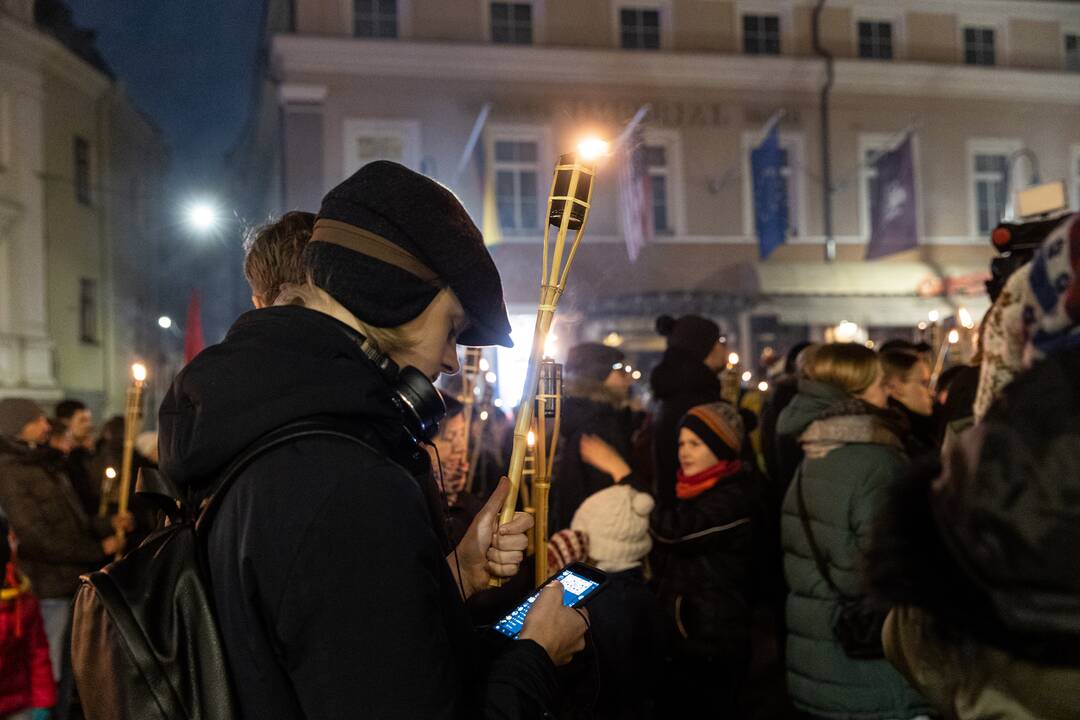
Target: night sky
(189, 66)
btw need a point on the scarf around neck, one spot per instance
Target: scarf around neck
(690, 486)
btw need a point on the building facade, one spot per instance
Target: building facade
(80, 187)
(975, 81)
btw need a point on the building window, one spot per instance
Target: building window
(375, 18)
(979, 46)
(88, 325)
(368, 140)
(656, 161)
(511, 23)
(517, 172)
(875, 40)
(640, 29)
(761, 34)
(82, 170)
(1072, 52)
(990, 171)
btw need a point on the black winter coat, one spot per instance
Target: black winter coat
(708, 580)
(587, 409)
(328, 559)
(678, 383)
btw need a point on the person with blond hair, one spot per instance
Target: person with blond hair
(853, 454)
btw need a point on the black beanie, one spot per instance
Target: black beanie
(692, 333)
(592, 361)
(387, 239)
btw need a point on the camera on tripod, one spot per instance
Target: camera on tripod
(1041, 209)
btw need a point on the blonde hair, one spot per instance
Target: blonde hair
(848, 366)
(313, 297)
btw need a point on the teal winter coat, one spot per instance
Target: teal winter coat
(853, 455)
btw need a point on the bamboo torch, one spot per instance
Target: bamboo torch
(108, 487)
(470, 372)
(568, 212)
(132, 417)
(548, 406)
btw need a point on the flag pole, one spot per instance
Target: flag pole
(470, 144)
(639, 116)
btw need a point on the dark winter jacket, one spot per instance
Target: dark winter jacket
(57, 541)
(854, 454)
(707, 583)
(678, 383)
(26, 678)
(629, 641)
(328, 559)
(591, 409)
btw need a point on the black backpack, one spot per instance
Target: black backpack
(145, 643)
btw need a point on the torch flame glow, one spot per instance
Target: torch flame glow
(531, 439)
(592, 148)
(110, 473)
(954, 336)
(138, 371)
(733, 359)
(965, 318)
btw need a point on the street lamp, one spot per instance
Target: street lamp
(164, 322)
(202, 216)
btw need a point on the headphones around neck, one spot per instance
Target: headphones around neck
(413, 394)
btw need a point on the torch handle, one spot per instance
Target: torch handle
(131, 429)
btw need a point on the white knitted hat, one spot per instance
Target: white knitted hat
(616, 520)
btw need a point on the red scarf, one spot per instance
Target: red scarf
(690, 486)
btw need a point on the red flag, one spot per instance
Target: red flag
(193, 334)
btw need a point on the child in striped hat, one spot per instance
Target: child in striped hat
(706, 586)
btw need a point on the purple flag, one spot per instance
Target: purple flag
(894, 225)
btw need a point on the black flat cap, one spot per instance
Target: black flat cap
(387, 239)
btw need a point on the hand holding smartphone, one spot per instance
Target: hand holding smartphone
(580, 584)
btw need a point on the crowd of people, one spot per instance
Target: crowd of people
(888, 546)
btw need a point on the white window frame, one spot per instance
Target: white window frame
(1074, 177)
(539, 19)
(1000, 26)
(663, 7)
(899, 31)
(984, 146)
(781, 8)
(870, 142)
(407, 130)
(523, 132)
(404, 20)
(671, 141)
(795, 143)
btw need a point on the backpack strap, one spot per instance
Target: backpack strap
(815, 550)
(274, 439)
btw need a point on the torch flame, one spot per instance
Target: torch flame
(138, 371)
(733, 359)
(532, 439)
(954, 336)
(110, 473)
(965, 318)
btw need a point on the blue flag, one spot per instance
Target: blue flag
(770, 193)
(894, 224)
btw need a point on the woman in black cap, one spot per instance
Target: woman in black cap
(336, 591)
(686, 376)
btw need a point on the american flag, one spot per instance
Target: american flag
(635, 193)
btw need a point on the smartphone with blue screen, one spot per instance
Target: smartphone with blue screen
(580, 584)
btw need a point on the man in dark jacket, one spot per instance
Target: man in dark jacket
(57, 541)
(336, 593)
(686, 376)
(595, 404)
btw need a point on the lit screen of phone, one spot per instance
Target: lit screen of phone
(575, 589)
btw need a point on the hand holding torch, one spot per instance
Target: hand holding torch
(132, 417)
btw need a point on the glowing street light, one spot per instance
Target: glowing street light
(593, 148)
(202, 216)
(164, 322)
